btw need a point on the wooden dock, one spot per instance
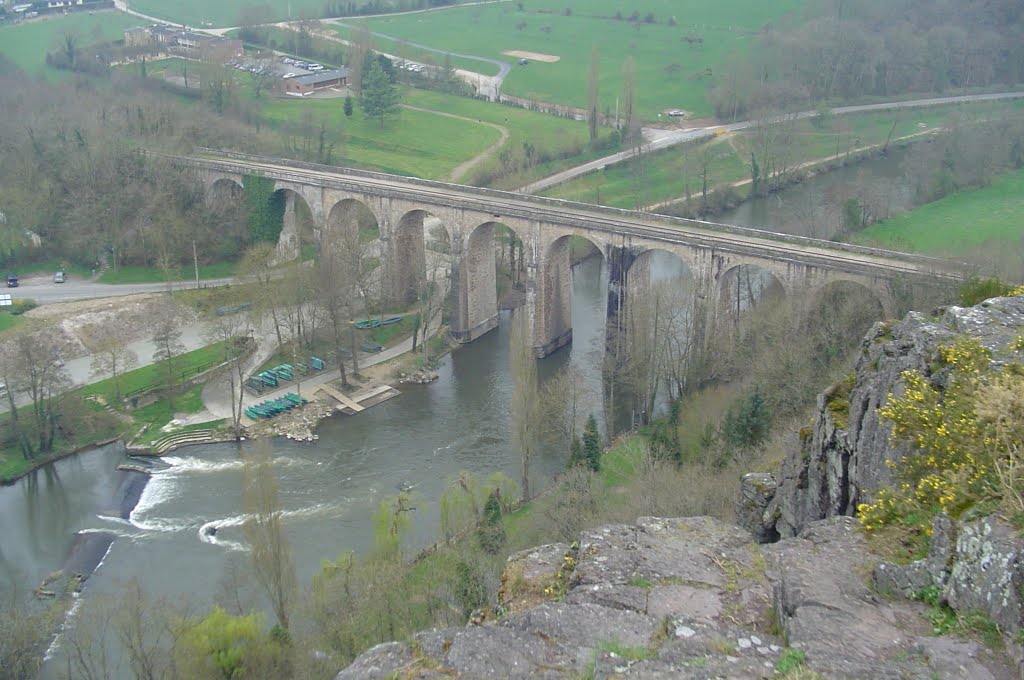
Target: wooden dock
(361, 401)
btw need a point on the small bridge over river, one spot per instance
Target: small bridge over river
(713, 253)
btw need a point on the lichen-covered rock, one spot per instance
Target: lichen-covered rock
(757, 489)
(933, 571)
(988, 573)
(693, 598)
(843, 460)
(528, 574)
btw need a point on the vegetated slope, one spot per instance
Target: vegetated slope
(846, 50)
(958, 223)
(678, 51)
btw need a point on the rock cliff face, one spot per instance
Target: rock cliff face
(689, 598)
(842, 458)
(796, 585)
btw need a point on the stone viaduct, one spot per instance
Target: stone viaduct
(713, 253)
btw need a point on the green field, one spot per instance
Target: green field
(667, 174)
(957, 223)
(416, 143)
(144, 274)
(27, 43)
(227, 12)
(670, 72)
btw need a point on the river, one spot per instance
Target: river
(814, 207)
(329, 489)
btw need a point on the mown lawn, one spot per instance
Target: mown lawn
(9, 321)
(416, 143)
(957, 223)
(152, 375)
(144, 274)
(670, 72)
(27, 43)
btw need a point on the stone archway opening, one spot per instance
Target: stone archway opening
(421, 261)
(571, 263)
(839, 315)
(225, 190)
(351, 236)
(744, 288)
(490, 271)
(289, 215)
(658, 330)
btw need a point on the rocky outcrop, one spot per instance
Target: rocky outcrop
(843, 456)
(689, 598)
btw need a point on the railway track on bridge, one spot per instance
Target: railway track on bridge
(620, 223)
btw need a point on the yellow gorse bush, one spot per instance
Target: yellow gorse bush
(967, 441)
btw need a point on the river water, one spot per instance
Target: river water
(814, 207)
(329, 489)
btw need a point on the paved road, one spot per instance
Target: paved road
(43, 290)
(659, 139)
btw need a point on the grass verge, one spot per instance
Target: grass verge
(957, 223)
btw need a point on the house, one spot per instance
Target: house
(305, 85)
(185, 43)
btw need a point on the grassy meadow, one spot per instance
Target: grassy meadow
(27, 43)
(224, 13)
(958, 223)
(670, 72)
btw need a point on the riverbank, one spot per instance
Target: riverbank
(724, 198)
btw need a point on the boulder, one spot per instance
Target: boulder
(988, 573)
(757, 489)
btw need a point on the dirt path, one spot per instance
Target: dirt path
(460, 170)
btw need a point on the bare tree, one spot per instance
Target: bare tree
(232, 331)
(525, 409)
(593, 96)
(271, 554)
(255, 266)
(167, 339)
(110, 355)
(628, 99)
(433, 288)
(360, 49)
(32, 365)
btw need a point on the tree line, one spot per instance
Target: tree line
(848, 49)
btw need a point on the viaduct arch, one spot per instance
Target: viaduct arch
(416, 216)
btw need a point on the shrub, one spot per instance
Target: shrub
(968, 441)
(21, 306)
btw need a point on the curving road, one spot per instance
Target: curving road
(661, 139)
(43, 290)
(503, 67)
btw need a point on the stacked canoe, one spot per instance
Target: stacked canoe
(272, 407)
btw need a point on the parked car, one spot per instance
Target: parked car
(59, 277)
(12, 280)
(315, 67)
(288, 75)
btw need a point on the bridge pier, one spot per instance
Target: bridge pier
(474, 285)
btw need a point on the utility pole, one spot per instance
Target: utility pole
(195, 262)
